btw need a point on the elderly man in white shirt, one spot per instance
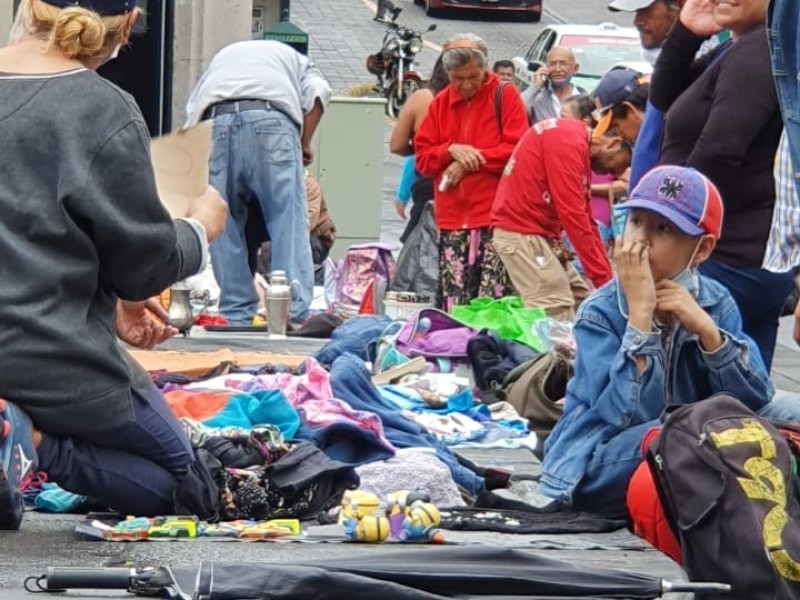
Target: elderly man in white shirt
(266, 100)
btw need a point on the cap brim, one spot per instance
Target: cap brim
(673, 216)
(603, 125)
(629, 5)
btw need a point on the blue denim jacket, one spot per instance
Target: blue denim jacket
(606, 396)
(783, 21)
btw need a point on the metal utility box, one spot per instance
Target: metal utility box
(348, 148)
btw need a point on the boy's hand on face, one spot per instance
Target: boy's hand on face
(632, 258)
(675, 300)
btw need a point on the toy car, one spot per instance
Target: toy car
(174, 527)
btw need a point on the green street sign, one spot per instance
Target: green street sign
(288, 33)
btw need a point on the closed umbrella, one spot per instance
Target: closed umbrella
(466, 573)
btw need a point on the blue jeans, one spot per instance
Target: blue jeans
(782, 21)
(604, 488)
(256, 157)
(134, 468)
(760, 296)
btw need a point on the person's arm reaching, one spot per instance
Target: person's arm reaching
(315, 94)
(745, 95)
(141, 249)
(402, 140)
(566, 166)
(676, 68)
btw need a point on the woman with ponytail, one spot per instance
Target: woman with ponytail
(84, 241)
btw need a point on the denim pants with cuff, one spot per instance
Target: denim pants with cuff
(134, 468)
(256, 157)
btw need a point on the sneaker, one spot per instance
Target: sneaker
(18, 462)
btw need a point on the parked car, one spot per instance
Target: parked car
(531, 9)
(597, 48)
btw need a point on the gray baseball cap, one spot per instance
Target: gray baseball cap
(629, 5)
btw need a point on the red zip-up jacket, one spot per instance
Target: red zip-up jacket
(453, 120)
(546, 187)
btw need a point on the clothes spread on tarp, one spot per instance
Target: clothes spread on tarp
(353, 337)
(236, 409)
(300, 484)
(450, 429)
(414, 470)
(343, 433)
(235, 447)
(351, 382)
(319, 326)
(512, 521)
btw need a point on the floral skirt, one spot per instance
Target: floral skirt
(469, 268)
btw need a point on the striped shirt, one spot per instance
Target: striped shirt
(783, 247)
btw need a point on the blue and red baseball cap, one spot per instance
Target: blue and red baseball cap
(684, 196)
(106, 8)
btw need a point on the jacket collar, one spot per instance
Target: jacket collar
(490, 82)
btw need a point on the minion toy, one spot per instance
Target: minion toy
(421, 523)
(370, 529)
(357, 504)
(399, 504)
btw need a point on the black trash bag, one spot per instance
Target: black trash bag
(417, 266)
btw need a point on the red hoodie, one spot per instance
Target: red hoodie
(546, 187)
(453, 120)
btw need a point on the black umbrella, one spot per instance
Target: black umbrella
(466, 573)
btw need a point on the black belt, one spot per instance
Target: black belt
(236, 106)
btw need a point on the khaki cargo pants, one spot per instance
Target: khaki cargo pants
(538, 276)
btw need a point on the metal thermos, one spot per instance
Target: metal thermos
(180, 309)
(277, 301)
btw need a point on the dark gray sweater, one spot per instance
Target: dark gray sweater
(81, 226)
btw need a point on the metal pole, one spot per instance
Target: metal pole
(285, 9)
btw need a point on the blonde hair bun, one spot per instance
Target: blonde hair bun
(78, 33)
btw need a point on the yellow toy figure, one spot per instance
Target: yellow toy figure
(371, 529)
(357, 504)
(421, 523)
(399, 504)
(363, 517)
(407, 516)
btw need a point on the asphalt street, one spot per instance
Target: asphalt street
(342, 35)
(342, 32)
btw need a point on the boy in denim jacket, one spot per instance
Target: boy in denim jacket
(658, 334)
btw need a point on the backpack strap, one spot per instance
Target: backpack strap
(498, 105)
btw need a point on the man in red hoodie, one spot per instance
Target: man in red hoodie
(544, 190)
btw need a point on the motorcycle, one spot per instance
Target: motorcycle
(394, 64)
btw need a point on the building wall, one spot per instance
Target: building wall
(6, 15)
(202, 28)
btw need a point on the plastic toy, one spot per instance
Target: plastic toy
(369, 529)
(357, 504)
(421, 523)
(398, 506)
(407, 517)
(174, 527)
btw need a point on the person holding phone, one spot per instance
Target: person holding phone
(552, 85)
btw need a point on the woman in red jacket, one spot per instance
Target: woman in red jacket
(464, 143)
